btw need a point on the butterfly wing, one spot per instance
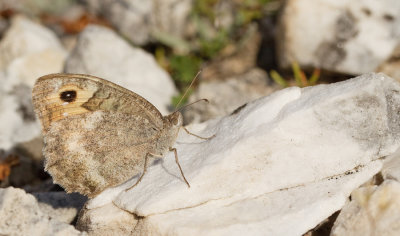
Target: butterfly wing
(96, 133)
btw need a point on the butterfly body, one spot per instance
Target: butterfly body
(98, 134)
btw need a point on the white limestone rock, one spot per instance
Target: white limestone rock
(107, 220)
(373, 210)
(289, 159)
(141, 21)
(27, 51)
(344, 36)
(101, 52)
(20, 214)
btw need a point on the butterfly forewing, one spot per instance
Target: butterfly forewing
(96, 132)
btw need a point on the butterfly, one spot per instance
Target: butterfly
(98, 134)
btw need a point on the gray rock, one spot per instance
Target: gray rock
(352, 37)
(140, 20)
(20, 214)
(101, 52)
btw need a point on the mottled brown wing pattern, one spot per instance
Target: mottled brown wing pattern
(96, 133)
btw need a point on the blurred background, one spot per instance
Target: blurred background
(245, 49)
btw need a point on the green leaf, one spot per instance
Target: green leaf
(278, 78)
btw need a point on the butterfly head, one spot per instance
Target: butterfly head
(172, 124)
(175, 119)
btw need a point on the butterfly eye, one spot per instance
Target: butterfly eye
(68, 96)
(175, 120)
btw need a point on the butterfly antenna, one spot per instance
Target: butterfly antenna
(187, 90)
(203, 99)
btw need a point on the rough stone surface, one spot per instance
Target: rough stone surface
(225, 96)
(98, 221)
(345, 36)
(296, 154)
(27, 51)
(130, 67)
(373, 210)
(20, 214)
(141, 21)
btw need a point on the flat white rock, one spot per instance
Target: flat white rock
(352, 37)
(279, 166)
(101, 52)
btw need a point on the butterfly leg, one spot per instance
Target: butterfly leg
(187, 131)
(146, 159)
(177, 162)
